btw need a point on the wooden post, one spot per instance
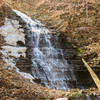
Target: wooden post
(92, 73)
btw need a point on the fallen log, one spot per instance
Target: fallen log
(92, 73)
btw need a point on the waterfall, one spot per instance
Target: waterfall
(48, 62)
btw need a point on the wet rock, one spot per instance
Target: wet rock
(62, 99)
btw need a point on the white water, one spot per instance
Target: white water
(88, 97)
(52, 70)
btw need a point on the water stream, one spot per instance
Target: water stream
(48, 62)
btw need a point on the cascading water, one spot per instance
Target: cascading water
(48, 63)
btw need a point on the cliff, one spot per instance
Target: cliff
(78, 20)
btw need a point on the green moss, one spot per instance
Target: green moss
(75, 94)
(80, 51)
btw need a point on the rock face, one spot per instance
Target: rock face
(47, 62)
(13, 85)
(39, 41)
(78, 20)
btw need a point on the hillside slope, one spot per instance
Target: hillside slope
(78, 20)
